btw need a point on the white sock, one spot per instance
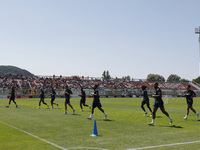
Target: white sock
(153, 120)
(169, 117)
(91, 115)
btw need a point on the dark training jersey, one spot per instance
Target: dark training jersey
(53, 93)
(12, 93)
(189, 95)
(41, 93)
(158, 92)
(67, 93)
(145, 96)
(96, 95)
(83, 95)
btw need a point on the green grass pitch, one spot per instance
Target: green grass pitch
(125, 127)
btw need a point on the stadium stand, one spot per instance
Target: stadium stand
(117, 87)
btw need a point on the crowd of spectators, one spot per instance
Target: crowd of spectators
(74, 82)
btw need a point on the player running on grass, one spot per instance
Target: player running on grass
(83, 99)
(68, 92)
(12, 97)
(158, 103)
(42, 98)
(189, 94)
(96, 102)
(53, 96)
(145, 100)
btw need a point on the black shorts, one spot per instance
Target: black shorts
(145, 102)
(41, 97)
(190, 103)
(12, 98)
(52, 99)
(82, 100)
(159, 104)
(96, 104)
(67, 101)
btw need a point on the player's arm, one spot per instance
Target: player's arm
(145, 95)
(193, 94)
(158, 95)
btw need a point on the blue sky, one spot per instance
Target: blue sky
(86, 37)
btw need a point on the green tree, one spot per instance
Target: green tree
(127, 78)
(106, 75)
(173, 78)
(155, 77)
(197, 80)
(184, 80)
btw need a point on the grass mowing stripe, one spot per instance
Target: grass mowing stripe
(35, 136)
(174, 144)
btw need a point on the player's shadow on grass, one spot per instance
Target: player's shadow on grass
(198, 120)
(108, 120)
(173, 126)
(75, 114)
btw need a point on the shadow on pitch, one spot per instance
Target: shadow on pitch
(173, 126)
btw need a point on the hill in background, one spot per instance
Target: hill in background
(7, 70)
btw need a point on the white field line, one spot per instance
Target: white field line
(87, 148)
(164, 145)
(35, 136)
(51, 142)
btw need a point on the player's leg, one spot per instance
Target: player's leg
(166, 113)
(155, 108)
(71, 107)
(94, 105)
(148, 106)
(187, 112)
(65, 108)
(15, 103)
(197, 114)
(40, 103)
(44, 102)
(142, 106)
(86, 104)
(101, 109)
(81, 105)
(9, 103)
(52, 103)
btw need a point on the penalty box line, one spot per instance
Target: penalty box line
(34, 136)
(174, 144)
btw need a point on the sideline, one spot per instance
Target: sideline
(164, 145)
(34, 136)
(51, 142)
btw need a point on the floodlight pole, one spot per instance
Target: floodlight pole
(197, 31)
